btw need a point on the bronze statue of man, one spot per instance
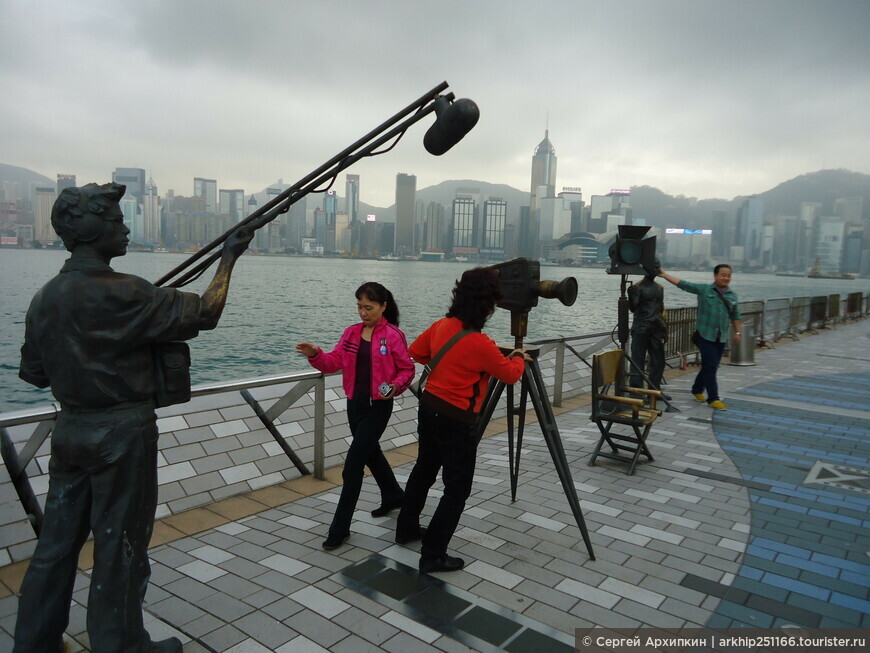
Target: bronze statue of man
(90, 334)
(649, 331)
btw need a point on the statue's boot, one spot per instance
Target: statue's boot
(170, 645)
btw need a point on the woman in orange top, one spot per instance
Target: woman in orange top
(449, 408)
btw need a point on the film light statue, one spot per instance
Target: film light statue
(521, 287)
(632, 252)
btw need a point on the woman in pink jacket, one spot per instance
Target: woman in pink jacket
(373, 358)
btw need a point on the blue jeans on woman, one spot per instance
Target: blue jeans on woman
(711, 353)
(367, 420)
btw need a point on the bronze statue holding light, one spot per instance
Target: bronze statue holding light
(649, 331)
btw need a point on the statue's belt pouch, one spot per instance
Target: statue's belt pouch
(172, 373)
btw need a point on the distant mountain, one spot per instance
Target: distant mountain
(824, 186)
(14, 174)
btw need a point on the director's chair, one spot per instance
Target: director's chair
(610, 406)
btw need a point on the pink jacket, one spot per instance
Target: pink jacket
(390, 360)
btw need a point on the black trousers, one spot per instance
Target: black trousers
(102, 478)
(711, 355)
(446, 444)
(647, 339)
(367, 420)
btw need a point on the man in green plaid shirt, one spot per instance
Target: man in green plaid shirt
(717, 310)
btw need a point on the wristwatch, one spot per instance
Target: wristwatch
(737, 333)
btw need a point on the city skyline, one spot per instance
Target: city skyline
(705, 100)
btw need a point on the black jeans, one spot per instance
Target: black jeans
(367, 420)
(102, 478)
(647, 339)
(711, 353)
(451, 445)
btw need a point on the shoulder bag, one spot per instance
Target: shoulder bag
(417, 388)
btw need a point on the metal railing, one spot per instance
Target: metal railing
(44, 419)
(563, 361)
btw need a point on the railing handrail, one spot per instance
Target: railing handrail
(43, 414)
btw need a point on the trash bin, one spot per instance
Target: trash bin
(743, 353)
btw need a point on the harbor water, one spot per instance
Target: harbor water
(277, 301)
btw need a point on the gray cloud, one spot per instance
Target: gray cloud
(697, 98)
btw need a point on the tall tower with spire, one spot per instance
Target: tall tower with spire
(543, 172)
(543, 186)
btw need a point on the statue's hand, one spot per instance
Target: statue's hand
(238, 242)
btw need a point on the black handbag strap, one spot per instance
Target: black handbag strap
(427, 369)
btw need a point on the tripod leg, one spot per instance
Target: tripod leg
(511, 457)
(493, 394)
(521, 423)
(547, 420)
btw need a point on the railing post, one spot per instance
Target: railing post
(319, 427)
(559, 373)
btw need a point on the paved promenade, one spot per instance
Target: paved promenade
(753, 517)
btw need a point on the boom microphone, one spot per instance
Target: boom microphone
(453, 122)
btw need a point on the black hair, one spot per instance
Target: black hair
(720, 266)
(475, 297)
(375, 292)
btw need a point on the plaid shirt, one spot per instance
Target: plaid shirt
(713, 319)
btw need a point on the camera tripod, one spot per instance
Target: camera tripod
(532, 385)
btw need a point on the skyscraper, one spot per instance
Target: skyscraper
(131, 209)
(406, 192)
(232, 203)
(464, 213)
(133, 179)
(829, 244)
(151, 227)
(810, 212)
(65, 181)
(42, 202)
(354, 224)
(543, 185)
(543, 172)
(750, 222)
(351, 190)
(206, 188)
(494, 219)
(434, 240)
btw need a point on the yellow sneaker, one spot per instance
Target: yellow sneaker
(718, 405)
(699, 397)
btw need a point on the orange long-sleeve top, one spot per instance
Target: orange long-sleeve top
(461, 376)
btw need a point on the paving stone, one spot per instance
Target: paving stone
(224, 637)
(265, 629)
(225, 607)
(176, 610)
(405, 643)
(316, 628)
(370, 628)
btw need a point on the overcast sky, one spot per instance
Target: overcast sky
(698, 98)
